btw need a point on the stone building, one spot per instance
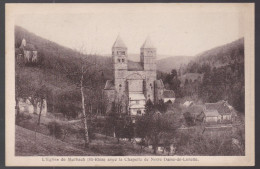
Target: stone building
(134, 82)
(27, 52)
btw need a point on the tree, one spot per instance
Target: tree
(189, 119)
(40, 95)
(161, 106)
(149, 107)
(85, 77)
(156, 126)
(173, 73)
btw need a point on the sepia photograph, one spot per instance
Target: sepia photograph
(130, 84)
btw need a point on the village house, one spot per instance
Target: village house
(27, 52)
(135, 83)
(168, 96)
(226, 111)
(211, 116)
(219, 112)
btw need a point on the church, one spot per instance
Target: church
(134, 83)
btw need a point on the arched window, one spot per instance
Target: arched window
(118, 60)
(123, 60)
(120, 85)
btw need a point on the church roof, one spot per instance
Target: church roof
(168, 94)
(109, 85)
(119, 43)
(147, 43)
(134, 66)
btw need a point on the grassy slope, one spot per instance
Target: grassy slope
(45, 145)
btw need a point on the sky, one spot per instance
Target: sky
(175, 30)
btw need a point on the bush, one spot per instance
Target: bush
(55, 129)
(22, 117)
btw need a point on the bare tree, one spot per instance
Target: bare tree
(85, 78)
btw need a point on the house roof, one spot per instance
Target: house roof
(29, 47)
(195, 109)
(147, 44)
(109, 85)
(221, 106)
(159, 83)
(136, 106)
(119, 43)
(168, 94)
(188, 103)
(134, 66)
(211, 113)
(136, 96)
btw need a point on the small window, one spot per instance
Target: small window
(118, 60)
(120, 85)
(123, 60)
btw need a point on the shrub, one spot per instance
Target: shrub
(55, 129)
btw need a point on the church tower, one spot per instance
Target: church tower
(148, 61)
(119, 56)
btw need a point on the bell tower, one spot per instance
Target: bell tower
(148, 55)
(148, 61)
(119, 56)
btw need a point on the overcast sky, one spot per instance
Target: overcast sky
(174, 29)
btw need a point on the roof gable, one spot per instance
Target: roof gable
(168, 94)
(29, 47)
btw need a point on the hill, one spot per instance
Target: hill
(223, 75)
(172, 62)
(217, 57)
(57, 70)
